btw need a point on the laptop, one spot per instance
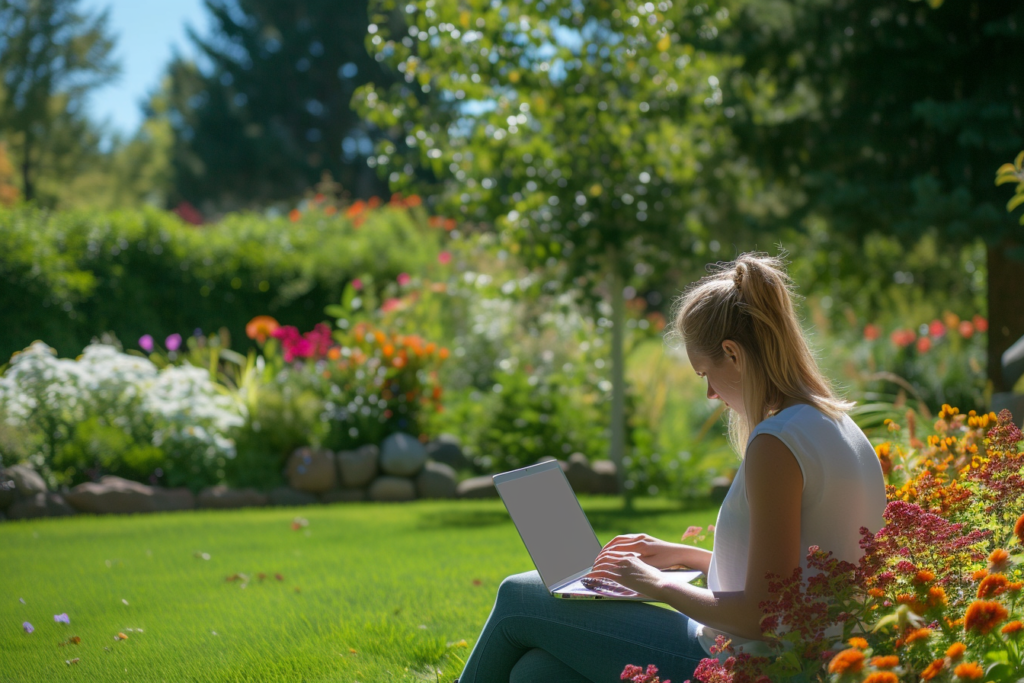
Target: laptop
(558, 535)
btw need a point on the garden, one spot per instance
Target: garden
(253, 392)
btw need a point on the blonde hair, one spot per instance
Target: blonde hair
(749, 301)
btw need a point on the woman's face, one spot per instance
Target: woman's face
(724, 379)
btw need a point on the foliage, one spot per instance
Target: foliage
(116, 413)
(937, 591)
(269, 111)
(1013, 173)
(52, 54)
(69, 275)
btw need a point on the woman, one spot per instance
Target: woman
(808, 477)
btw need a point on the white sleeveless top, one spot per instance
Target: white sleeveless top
(843, 491)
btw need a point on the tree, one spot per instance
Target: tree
(269, 110)
(889, 116)
(51, 55)
(587, 133)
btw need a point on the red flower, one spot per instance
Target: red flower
(980, 324)
(872, 332)
(903, 338)
(924, 344)
(1018, 529)
(966, 329)
(983, 616)
(294, 215)
(936, 328)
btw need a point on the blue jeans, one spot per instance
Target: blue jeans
(532, 636)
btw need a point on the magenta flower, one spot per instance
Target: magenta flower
(444, 258)
(62, 618)
(403, 279)
(173, 342)
(28, 627)
(357, 284)
(146, 343)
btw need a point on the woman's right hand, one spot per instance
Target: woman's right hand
(653, 551)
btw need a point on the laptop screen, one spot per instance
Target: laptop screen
(549, 518)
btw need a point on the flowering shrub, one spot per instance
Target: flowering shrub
(937, 593)
(111, 412)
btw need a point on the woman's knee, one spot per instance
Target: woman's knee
(538, 666)
(519, 585)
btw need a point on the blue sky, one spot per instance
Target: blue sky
(147, 33)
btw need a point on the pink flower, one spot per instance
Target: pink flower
(444, 258)
(692, 531)
(391, 305)
(173, 342)
(357, 284)
(146, 343)
(966, 329)
(403, 279)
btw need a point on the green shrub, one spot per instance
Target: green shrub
(67, 276)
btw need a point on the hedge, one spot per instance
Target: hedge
(66, 277)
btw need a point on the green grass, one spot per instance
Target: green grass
(399, 584)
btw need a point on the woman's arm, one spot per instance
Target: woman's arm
(774, 485)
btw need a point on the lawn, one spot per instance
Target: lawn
(367, 592)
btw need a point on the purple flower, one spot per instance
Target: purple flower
(173, 342)
(146, 343)
(28, 627)
(62, 618)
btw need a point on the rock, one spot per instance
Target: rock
(343, 496)
(26, 480)
(358, 468)
(436, 480)
(40, 505)
(283, 495)
(114, 495)
(8, 492)
(581, 476)
(477, 487)
(606, 477)
(223, 498)
(402, 455)
(392, 489)
(311, 470)
(447, 449)
(720, 487)
(548, 458)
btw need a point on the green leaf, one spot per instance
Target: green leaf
(1015, 201)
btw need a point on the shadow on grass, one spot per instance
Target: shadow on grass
(603, 519)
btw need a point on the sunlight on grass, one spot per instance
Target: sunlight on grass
(367, 592)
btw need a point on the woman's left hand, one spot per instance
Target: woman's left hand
(627, 569)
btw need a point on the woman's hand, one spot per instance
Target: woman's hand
(627, 569)
(653, 551)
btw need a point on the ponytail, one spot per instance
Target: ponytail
(750, 301)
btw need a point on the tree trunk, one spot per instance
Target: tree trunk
(1005, 309)
(618, 436)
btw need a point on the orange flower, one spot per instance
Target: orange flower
(847, 661)
(330, 210)
(437, 395)
(924, 576)
(882, 677)
(398, 362)
(968, 670)
(1018, 530)
(984, 615)
(443, 353)
(918, 634)
(413, 200)
(933, 669)
(1015, 585)
(999, 559)
(294, 215)
(956, 651)
(936, 596)
(388, 350)
(858, 643)
(373, 203)
(261, 327)
(885, 662)
(334, 353)
(979, 575)
(992, 585)
(357, 208)
(1012, 627)
(876, 592)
